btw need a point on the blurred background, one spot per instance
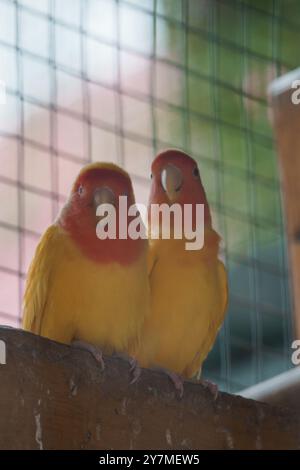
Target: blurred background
(118, 80)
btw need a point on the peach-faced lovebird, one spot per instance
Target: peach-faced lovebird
(83, 288)
(188, 286)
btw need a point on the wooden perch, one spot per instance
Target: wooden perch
(55, 397)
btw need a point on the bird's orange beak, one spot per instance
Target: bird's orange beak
(171, 180)
(104, 195)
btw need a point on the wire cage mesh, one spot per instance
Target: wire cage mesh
(119, 80)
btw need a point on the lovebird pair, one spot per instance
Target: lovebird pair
(151, 300)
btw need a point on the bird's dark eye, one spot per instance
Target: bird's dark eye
(151, 176)
(80, 190)
(196, 172)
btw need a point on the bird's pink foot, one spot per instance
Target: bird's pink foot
(212, 387)
(135, 370)
(134, 367)
(177, 380)
(93, 350)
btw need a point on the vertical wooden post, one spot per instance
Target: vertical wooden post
(286, 122)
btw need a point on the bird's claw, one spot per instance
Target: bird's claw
(212, 387)
(93, 350)
(177, 381)
(135, 371)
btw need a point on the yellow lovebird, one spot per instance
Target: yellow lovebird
(188, 287)
(83, 288)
